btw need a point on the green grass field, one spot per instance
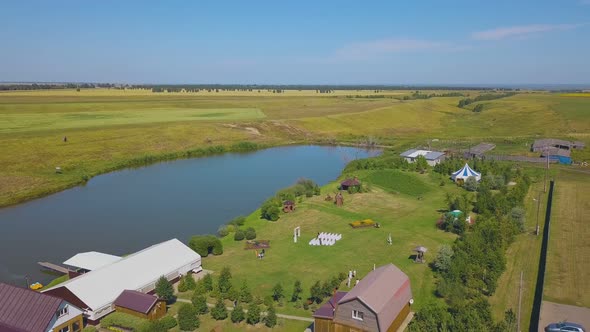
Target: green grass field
(106, 128)
(568, 254)
(410, 221)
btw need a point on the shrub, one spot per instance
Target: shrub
(238, 314)
(250, 233)
(168, 322)
(270, 210)
(187, 317)
(296, 291)
(219, 312)
(443, 258)
(187, 283)
(205, 244)
(122, 320)
(470, 184)
(222, 231)
(231, 228)
(518, 216)
(89, 328)
(238, 221)
(277, 292)
(244, 147)
(253, 317)
(239, 235)
(200, 303)
(271, 317)
(164, 289)
(232, 294)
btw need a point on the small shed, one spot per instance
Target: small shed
(348, 183)
(140, 305)
(288, 206)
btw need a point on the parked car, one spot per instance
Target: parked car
(564, 327)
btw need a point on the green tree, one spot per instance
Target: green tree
(200, 303)
(224, 280)
(316, 293)
(421, 164)
(253, 317)
(187, 318)
(470, 184)
(238, 315)
(270, 210)
(239, 235)
(271, 317)
(250, 233)
(208, 282)
(164, 289)
(444, 258)
(296, 291)
(277, 292)
(187, 283)
(219, 312)
(245, 295)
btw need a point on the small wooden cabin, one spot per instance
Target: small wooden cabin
(288, 206)
(140, 305)
(354, 182)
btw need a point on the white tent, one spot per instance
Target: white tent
(464, 173)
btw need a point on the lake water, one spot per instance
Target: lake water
(125, 211)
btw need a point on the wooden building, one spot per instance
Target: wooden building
(348, 183)
(140, 305)
(288, 206)
(25, 310)
(379, 302)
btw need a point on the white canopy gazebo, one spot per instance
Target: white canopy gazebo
(464, 173)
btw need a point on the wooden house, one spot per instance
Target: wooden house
(348, 183)
(140, 305)
(25, 310)
(379, 302)
(288, 206)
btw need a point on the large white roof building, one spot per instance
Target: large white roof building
(96, 290)
(91, 260)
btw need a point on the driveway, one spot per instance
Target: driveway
(555, 312)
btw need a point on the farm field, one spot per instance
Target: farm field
(107, 128)
(410, 221)
(568, 254)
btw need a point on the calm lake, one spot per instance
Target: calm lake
(121, 212)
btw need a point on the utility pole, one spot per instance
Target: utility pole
(519, 302)
(538, 208)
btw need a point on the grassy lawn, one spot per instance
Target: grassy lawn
(409, 220)
(522, 256)
(568, 256)
(106, 128)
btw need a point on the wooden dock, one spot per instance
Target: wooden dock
(53, 267)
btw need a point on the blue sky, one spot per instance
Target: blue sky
(299, 42)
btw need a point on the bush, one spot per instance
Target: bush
(238, 221)
(271, 317)
(443, 259)
(277, 292)
(270, 210)
(90, 328)
(187, 317)
(253, 317)
(231, 228)
(250, 233)
(206, 244)
(224, 280)
(200, 303)
(122, 320)
(239, 235)
(168, 322)
(164, 289)
(245, 295)
(222, 231)
(470, 184)
(238, 314)
(187, 283)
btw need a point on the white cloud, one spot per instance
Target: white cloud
(521, 31)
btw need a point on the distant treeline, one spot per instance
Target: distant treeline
(489, 96)
(48, 86)
(317, 88)
(419, 95)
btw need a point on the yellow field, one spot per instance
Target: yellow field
(108, 127)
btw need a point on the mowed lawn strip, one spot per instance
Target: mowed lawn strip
(568, 255)
(410, 221)
(522, 256)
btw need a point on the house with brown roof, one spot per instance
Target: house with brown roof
(348, 183)
(379, 302)
(25, 310)
(140, 305)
